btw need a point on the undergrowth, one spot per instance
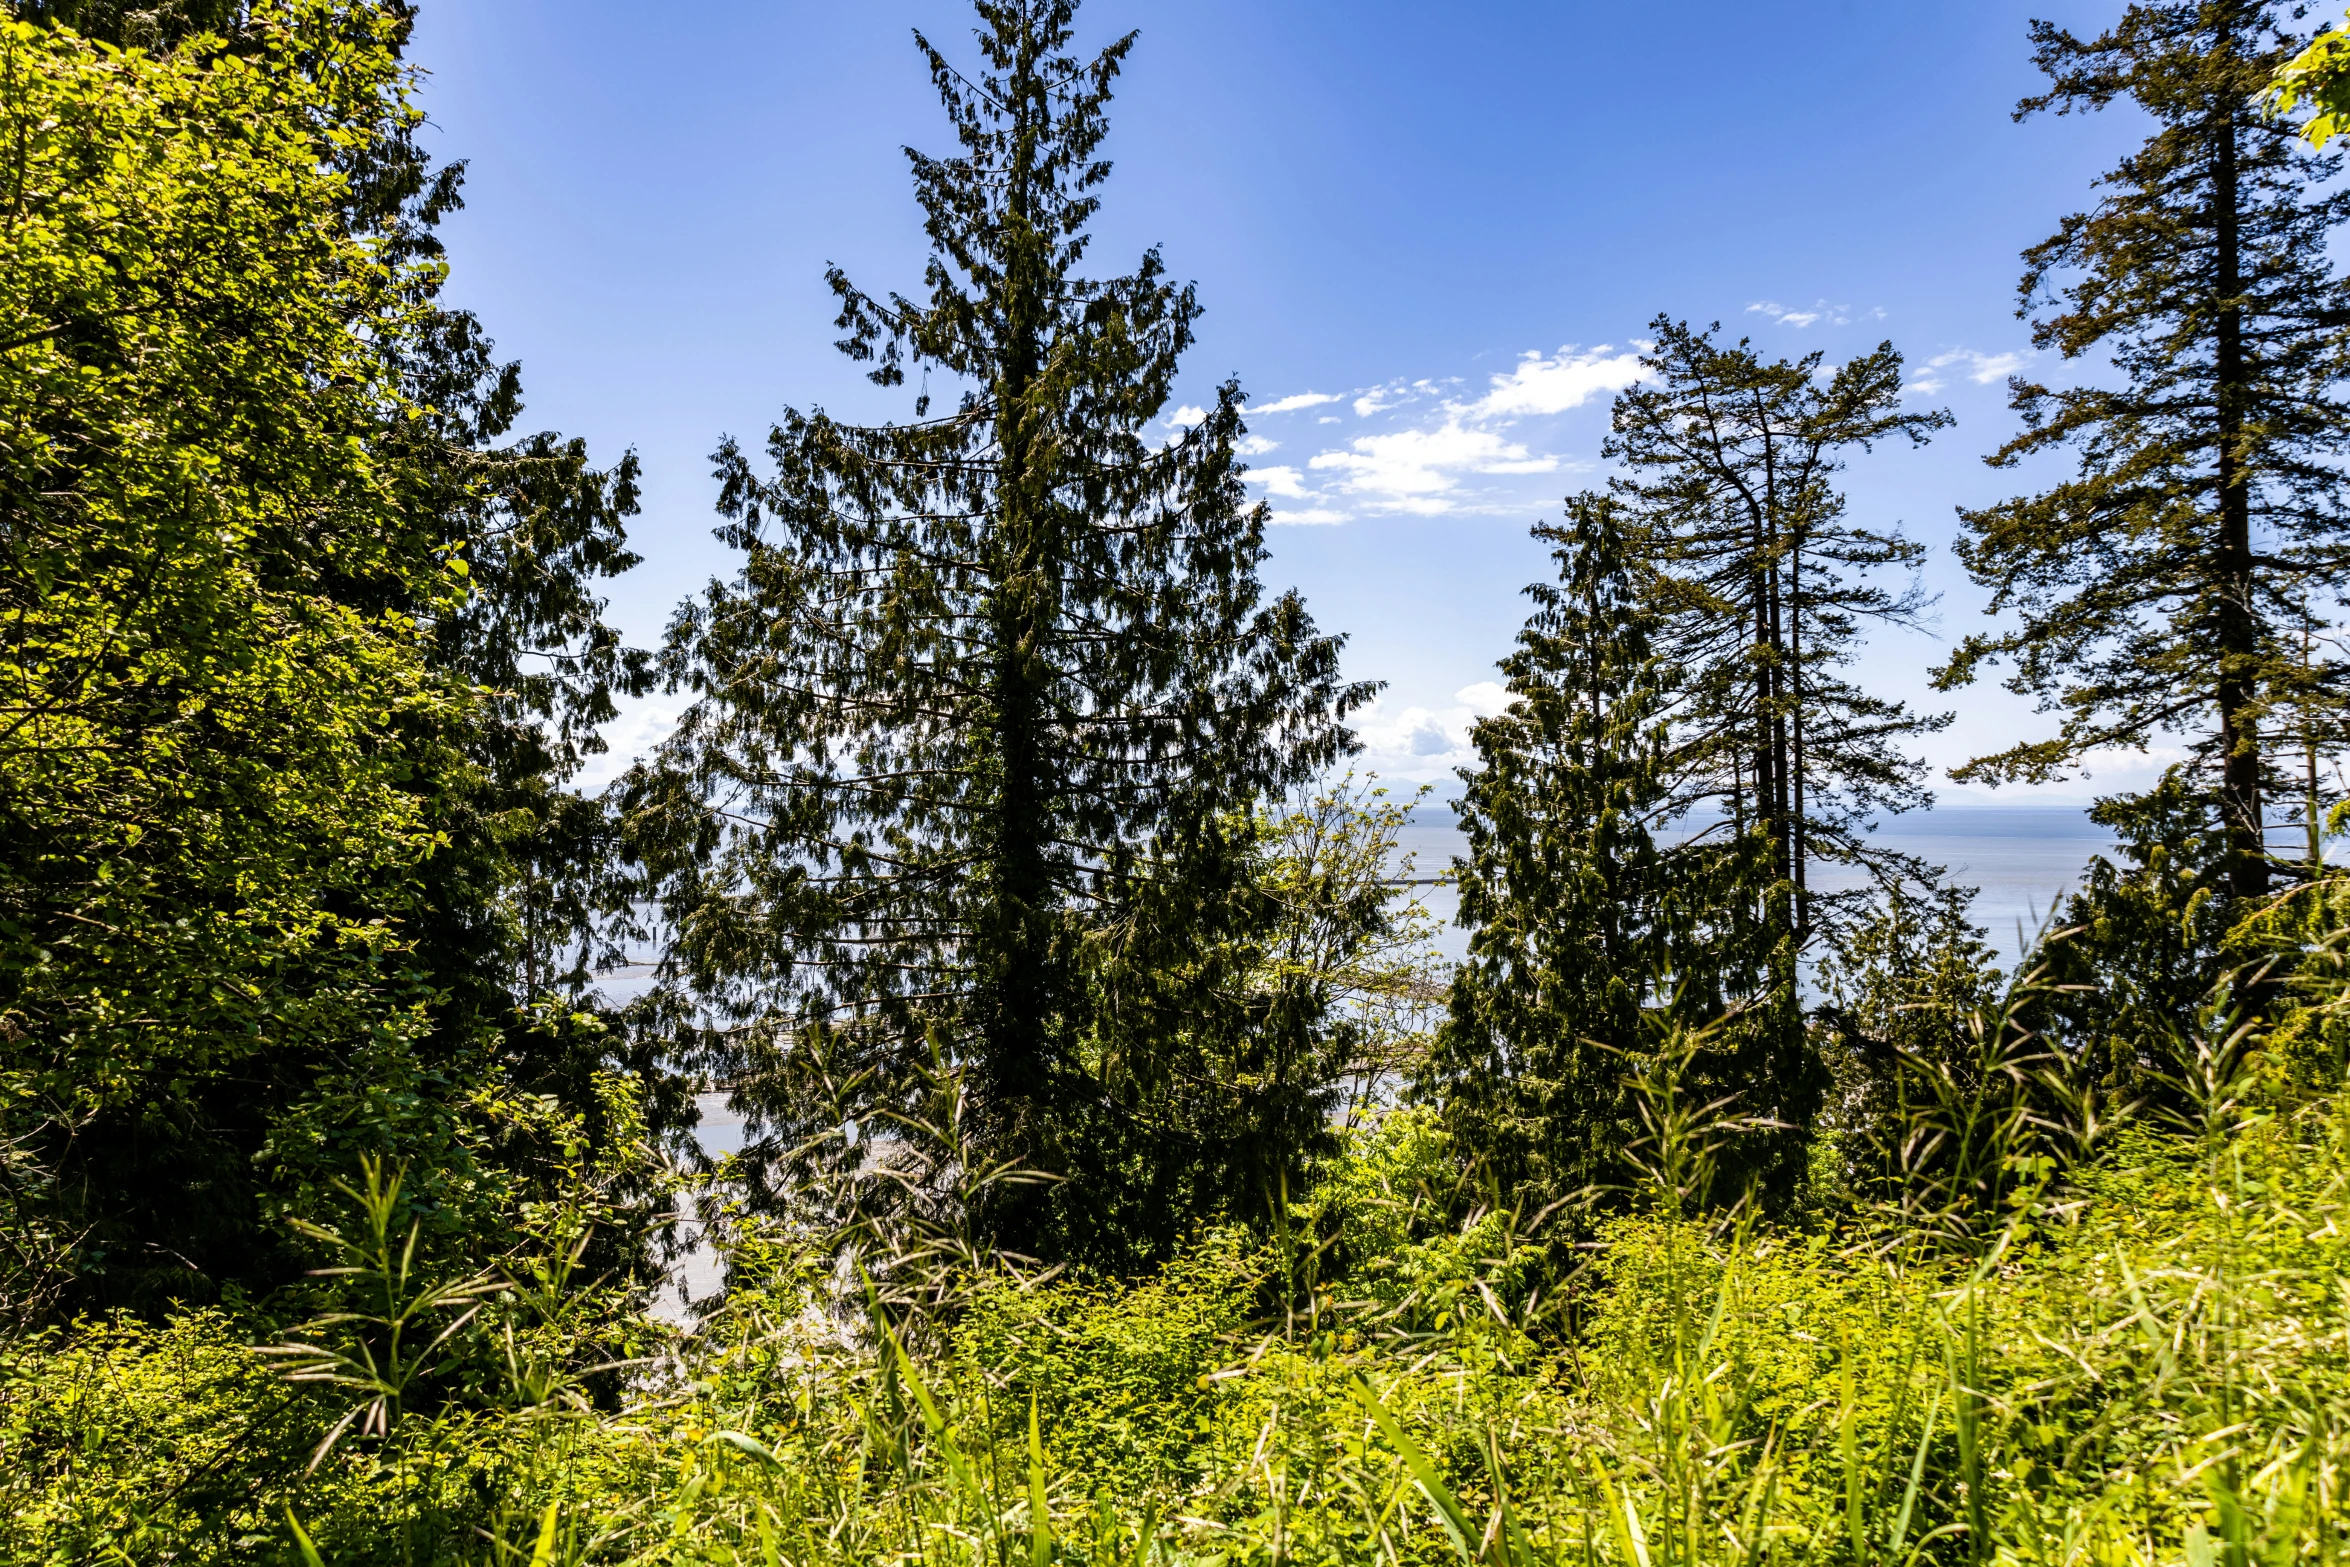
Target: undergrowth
(2144, 1358)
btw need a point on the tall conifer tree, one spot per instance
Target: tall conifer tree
(1765, 586)
(1564, 890)
(2165, 585)
(1598, 924)
(993, 694)
(1725, 554)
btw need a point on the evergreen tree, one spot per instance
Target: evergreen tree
(1599, 928)
(1564, 890)
(1766, 586)
(982, 722)
(2165, 585)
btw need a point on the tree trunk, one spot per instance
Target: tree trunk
(2237, 632)
(1775, 661)
(1802, 850)
(1766, 780)
(1015, 980)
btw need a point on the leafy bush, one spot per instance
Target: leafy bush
(1119, 1375)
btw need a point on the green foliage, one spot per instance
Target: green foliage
(2140, 947)
(1912, 992)
(981, 724)
(144, 1440)
(1577, 923)
(206, 811)
(2167, 584)
(286, 854)
(990, 845)
(2317, 80)
(1118, 1374)
(1394, 1180)
(1592, 945)
(130, 24)
(425, 1389)
(1309, 985)
(1762, 586)
(2139, 1364)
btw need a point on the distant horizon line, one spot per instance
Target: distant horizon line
(1447, 804)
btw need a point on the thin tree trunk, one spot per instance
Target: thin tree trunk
(2237, 623)
(2317, 849)
(1766, 783)
(1802, 854)
(1768, 528)
(1016, 983)
(2309, 800)
(1776, 660)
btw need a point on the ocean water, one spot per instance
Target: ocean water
(2021, 859)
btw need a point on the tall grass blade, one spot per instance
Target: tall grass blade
(1423, 1470)
(302, 1541)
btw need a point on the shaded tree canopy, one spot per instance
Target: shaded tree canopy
(299, 658)
(979, 725)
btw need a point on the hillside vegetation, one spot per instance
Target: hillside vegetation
(1124, 1179)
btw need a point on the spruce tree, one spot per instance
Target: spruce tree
(1564, 890)
(1600, 926)
(2164, 587)
(980, 726)
(1767, 585)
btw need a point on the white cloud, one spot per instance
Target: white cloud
(1982, 369)
(1434, 434)
(1416, 736)
(1415, 470)
(1284, 483)
(1189, 413)
(1293, 403)
(1485, 698)
(1256, 446)
(1834, 315)
(1415, 744)
(1550, 386)
(641, 727)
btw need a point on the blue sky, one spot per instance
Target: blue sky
(1426, 237)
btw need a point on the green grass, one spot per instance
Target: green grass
(2148, 1362)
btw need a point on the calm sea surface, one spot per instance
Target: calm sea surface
(2021, 857)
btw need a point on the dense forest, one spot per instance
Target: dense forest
(1126, 1180)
